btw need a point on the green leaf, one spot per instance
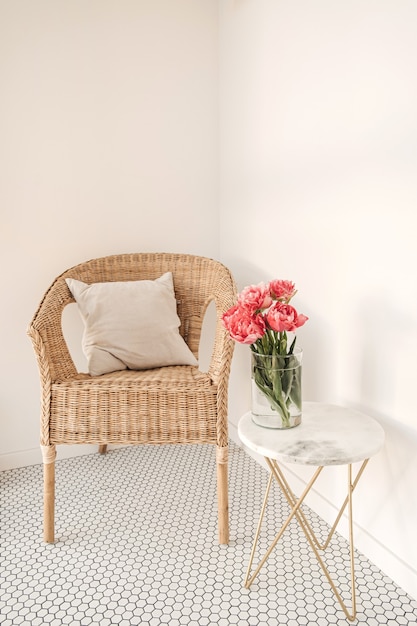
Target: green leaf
(295, 393)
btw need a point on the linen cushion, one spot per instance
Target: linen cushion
(130, 325)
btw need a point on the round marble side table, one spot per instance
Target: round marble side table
(327, 435)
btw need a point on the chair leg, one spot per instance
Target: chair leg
(222, 494)
(49, 454)
(102, 448)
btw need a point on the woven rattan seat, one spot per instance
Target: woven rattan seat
(166, 405)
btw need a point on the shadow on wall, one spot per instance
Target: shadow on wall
(386, 365)
(320, 358)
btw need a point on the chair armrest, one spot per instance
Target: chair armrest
(224, 295)
(219, 368)
(45, 330)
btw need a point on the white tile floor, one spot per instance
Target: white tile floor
(137, 544)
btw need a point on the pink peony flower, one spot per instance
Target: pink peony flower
(243, 327)
(262, 317)
(283, 317)
(255, 297)
(282, 290)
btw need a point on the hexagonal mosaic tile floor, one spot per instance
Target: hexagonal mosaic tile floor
(137, 543)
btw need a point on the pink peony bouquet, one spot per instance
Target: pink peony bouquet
(262, 319)
(263, 316)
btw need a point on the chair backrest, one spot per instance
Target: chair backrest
(197, 281)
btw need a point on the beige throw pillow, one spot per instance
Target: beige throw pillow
(132, 324)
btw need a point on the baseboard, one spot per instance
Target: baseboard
(33, 456)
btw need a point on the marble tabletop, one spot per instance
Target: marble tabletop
(328, 435)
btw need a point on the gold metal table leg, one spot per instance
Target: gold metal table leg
(296, 511)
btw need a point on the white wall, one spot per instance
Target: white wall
(318, 135)
(109, 143)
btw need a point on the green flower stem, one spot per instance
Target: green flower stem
(274, 395)
(275, 376)
(278, 391)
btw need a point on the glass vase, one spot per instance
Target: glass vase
(276, 389)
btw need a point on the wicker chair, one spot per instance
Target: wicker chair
(167, 405)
